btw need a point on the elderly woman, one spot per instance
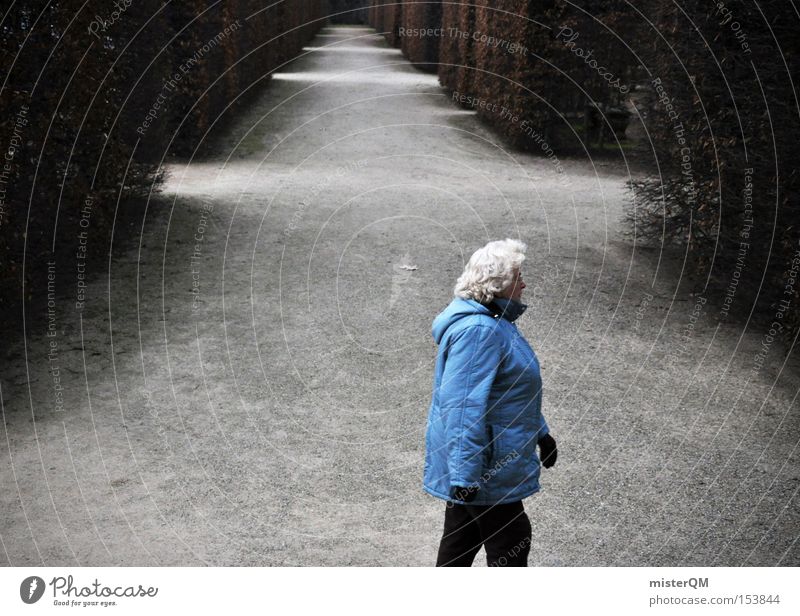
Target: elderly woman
(485, 418)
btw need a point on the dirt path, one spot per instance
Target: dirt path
(257, 370)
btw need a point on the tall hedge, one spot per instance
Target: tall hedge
(593, 42)
(375, 14)
(392, 21)
(423, 50)
(71, 114)
(712, 82)
(507, 77)
(260, 40)
(725, 133)
(372, 13)
(95, 96)
(533, 74)
(456, 52)
(348, 11)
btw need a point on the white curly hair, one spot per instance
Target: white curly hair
(490, 270)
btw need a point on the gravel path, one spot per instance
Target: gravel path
(249, 383)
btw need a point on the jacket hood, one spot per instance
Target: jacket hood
(458, 309)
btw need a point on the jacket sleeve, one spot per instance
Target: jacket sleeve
(473, 359)
(542, 428)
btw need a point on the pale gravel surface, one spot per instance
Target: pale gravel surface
(282, 423)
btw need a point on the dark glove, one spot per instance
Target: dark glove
(547, 450)
(464, 494)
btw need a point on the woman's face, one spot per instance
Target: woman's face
(514, 291)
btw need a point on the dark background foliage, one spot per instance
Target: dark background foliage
(75, 98)
(722, 157)
(423, 51)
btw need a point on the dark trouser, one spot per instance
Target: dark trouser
(503, 530)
